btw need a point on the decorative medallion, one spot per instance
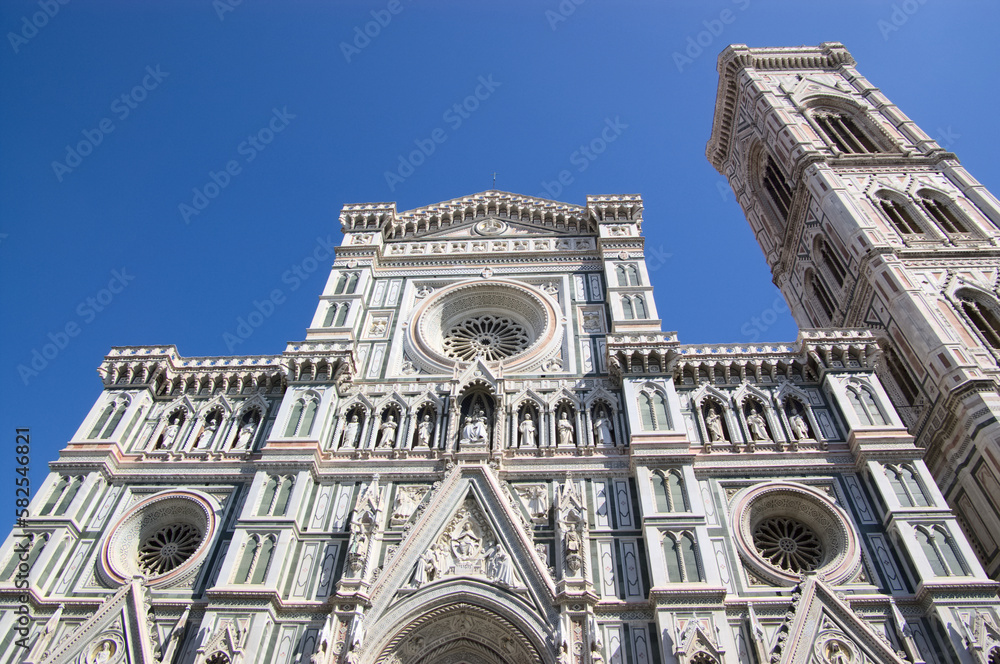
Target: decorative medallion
(490, 226)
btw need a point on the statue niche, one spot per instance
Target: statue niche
(478, 416)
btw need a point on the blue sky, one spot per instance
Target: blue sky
(117, 117)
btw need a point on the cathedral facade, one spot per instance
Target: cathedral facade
(485, 450)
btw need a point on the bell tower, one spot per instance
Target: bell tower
(867, 222)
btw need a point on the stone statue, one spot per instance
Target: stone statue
(424, 431)
(425, 569)
(170, 433)
(503, 570)
(474, 430)
(714, 424)
(351, 432)
(387, 432)
(527, 428)
(405, 504)
(538, 500)
(758, 427)
(245, 437)
(205, 437)
(799, 427)
(602, 431)
(565, 428)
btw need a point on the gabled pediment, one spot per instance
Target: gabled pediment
(469, 529)
(123, 623)
(823, 627)
(490, 214)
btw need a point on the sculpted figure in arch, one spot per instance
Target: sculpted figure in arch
(602, 430)
(474, 430)
(424, 430)
(527, 428)
(387, 432)
(351, 432)
(758, 428)
(799, 427)
(245, 437)
(170, 433)
(565, 428)
(713, 422)
(205, 437)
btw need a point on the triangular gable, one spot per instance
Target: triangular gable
(508, 211)
(823, 627)
(123, 621)
(479, 487)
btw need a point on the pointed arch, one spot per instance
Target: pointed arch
(983, 314)
(899, 211)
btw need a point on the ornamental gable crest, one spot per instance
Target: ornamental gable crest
(823, 629)
(122, 629)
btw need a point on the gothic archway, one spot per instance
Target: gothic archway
(461, 633)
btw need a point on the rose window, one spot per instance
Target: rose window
(168, 547)
(788, 544)
(491, 337)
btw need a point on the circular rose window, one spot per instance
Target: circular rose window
(784, 530)
(162, 538)
(490, 337)
(788, 544)
(496, 321)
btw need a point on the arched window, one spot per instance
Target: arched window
(832, 262)
(342, 313)
(247, 560)
(865, 405)
(777, 188)
(817, 290)
(105, 414)
(263, 562)
(331, 311)
(627, 307)
(640, 307)
(983, 316)
(899, 216)
(347, 283)
(841, 131)
(300, 421)
(942, 213)
(33, 544)
(267, 497)
(628, 275)
(670, 491)
(939, 549)
(68, 496)
(654, 410)
(906, 486)
(281, 500)
(681, 557)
